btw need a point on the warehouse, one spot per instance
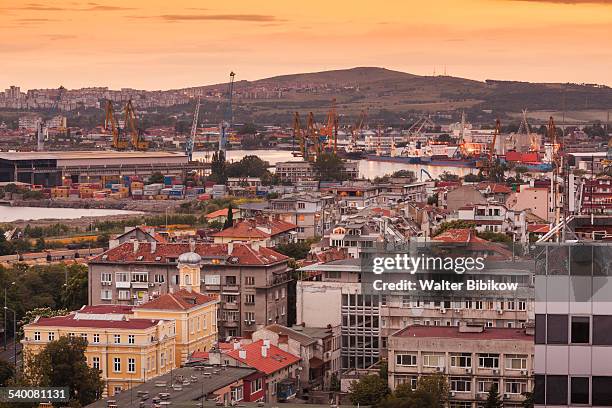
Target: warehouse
(51, 168)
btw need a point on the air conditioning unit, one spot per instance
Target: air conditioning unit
(495, 371)
(440, 369)
(327, 355)
(151, 284)
(506, 396)
(442, 310)
(499, 311)
(453, 393)
(468, 370)
(523, 372)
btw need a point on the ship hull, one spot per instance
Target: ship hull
(424, 160)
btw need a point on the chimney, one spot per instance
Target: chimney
(192, 245)
(136, 245)
(255, 245)
(264, 351)
(236, 345)
(242, 354)
(153, 247)
(230, 248)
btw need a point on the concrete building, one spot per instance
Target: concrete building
(494, 217)
(597, 196)
(267, 232)
(536, 199)
(251, 281)
(297, 171)
(462, 196)
(473, 359)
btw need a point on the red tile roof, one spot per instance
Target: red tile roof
(489, 333)
(458, 235)
(256, 228)
(105, 309)
(275, 360)
(244, 253)
(179, 300)
(221, 213)
(71, 321)
(382, 211)
(495, 188)
(538, 228)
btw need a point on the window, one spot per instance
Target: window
(556, 329)
(122, 277)
(117, 389)
(515, 386)
(51, 336)
(485, 384)
(250, 317)
(96, 338)
(488, 360)
(96, 363)
(117, 365)
(71, 335)
(461, 384)
(131, 339)
(237, 393)
(409, 360)
(249, 280)
(463, 360)
(140, 277)
(602, 327)
(106, 294)
(117, 338)
(433, 360)
(84, 336)
(230, 280)
(602, 391)
(579, 391)
(131, 365)
(516, 362)
(556, 388)
(522, 304)
(159, 278)
(106, 277)
(249, 299)
(256, 385)
(301, 206)
(283, 293)
(124, 295)
(36, 336)
(581, 333)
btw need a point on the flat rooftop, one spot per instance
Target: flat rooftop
(190, 394)
(453, 332)
(88, 154)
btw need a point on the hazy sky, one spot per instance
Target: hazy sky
(161, 44)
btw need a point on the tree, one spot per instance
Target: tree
(433, 200)
(156, 178)
(229, 220)
(435, 385)
(247, 129)
(369, 390)
(454, 224)
(445, 138)
(329, 167)
(218, 168)
(447, 176)
(493, 399)
(529, 400)
(62, 363)
(248, 166)
(32, 314)
(295, 250)
(472, 178)
(75, 293)
(40, 244)
(7, 372)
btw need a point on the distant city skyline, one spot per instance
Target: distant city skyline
(159, 45)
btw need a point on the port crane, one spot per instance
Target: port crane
(356, 131)
(226, 123)
(136, 134)
(330, 131)
(488, 162)
(189, 143)
(110, 123)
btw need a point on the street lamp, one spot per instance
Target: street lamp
(14, 332)
(4, 327)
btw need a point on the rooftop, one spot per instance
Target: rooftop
(72, 321)
(180, 300)
(488, 333)
(256, 228)
(301, 338)
(458, 235)
(276, 359)
(98, 154)
(216, 378)
(221, 213)
(238, 254)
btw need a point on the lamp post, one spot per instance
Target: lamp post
(4, 327)
(14, 333)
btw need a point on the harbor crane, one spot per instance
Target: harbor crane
(226, 123)
(299, 135)
(189, 143)
(357, 131)
(110, 123)
(136, 134)
(488, 162)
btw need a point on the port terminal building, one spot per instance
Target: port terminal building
(52, 169)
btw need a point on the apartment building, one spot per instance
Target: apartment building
(312, 213)
(267, 232)
(298, 171)
(574, 322)
(597, 196)
(318, 348)
(127, 351)
(250, 280)
(473, 359)
(495, 217)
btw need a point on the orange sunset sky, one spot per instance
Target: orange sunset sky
(152, 44)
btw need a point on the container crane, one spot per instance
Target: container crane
(194, 128)
(110, 123)
(226, 123)
(136, 135)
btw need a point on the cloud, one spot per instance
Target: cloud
(102, 7)
(258, 18)
(56, 37)
(91, 7)
(39, 7)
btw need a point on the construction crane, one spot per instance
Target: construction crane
(299, 135)
(194, 128)
(331, 129)
(226, 123)
(136, 135)
(110, 123)
(488, 162)
(356, 132)
(312, 139)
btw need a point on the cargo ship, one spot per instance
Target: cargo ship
(529, 160)
(426, 160)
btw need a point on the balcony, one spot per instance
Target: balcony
(276, 279)
(229, 323)
(122, 285)
(231, 288)
(140, 285)
(230, 306)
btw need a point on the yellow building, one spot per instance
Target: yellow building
(132, 344)
(126, 350)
